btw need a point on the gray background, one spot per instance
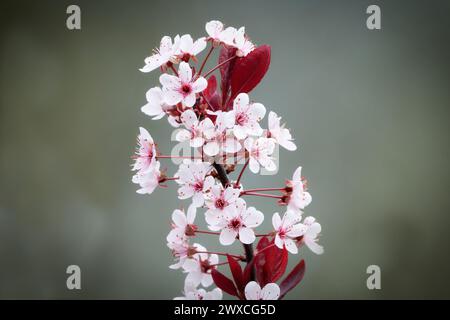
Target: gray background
(369, 109)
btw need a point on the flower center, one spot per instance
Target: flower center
(220, 203)
(241, 118)
(186, 89)
(235, 224)
(198, 186)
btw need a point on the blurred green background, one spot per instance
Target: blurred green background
(369, 109)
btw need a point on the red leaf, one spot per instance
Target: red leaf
(279, 264)
(292, 279)
(223, 282)
(226, 70)
(260, 261)
(211, 88)
(210, 94)
(236, 271)
(248, 71)
(248, 271)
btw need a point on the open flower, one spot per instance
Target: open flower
(260, 151)
(167, 51)
(182, 88)
(220, 203)
(298, 198)
(191, 292)
(279, 133)
(146, 152)
(199, 266)
(194, 132)
(239, 222)
(155, 107)
(253, 291)
(311, 234)
(189, 48)
(180, 251)
(217, 33)
(148, 180)
(242, 43)
(220, 137)
(247, 116)
(182, 225)
(287, 229)
(193, 181)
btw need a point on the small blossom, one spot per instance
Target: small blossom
(298, 198)
(220, 203)
(260, 151)
(287, 229)
(253, 291)
(239, 222)
(182, 225)
(220, 137)
(181, 251)
(193, 181)
(311, 234)
(146, 152)
(194, 129)
(167, 51)
(155, 107)
(199, 266)
(279, 133)
(217, 33)
(243, 44)
(188, 48)
(148, 180)
(182, 88)
(191, 292)
(247, 116)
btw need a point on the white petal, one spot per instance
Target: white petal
(253, 218)
(271, 291)
(279, 242)
(185, 72)
(198, 46)
(191, 213)
(179, 218)
(211, 148)
(189, 118)
(297, 174)
(291, 246)
(189, 100)
(169, 81)
(172, 97)
(183, 135)
(252, 291)
(246, 235)
(153, 62)
(314, 246)
(240, 101)
(199, 85)
(253, 165)
(227, 236)
(186, 43)
(276, 221)
(213, 28)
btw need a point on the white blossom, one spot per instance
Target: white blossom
(181, 225)
(260, 151)
(253, 291)
(148, 180)
(145, 156)
(311, 234)
(247, 116)
(197, 267)
(287, 230)
(182, 88)
(193, 181)
(279, 133)
(167, 51)
(299, 198)
(191, 292)
(220, 203)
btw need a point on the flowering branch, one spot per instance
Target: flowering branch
(220, 122)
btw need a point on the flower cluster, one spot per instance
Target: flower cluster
(223, 124)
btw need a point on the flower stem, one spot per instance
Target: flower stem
(245, 193)
(263, 189)
(207, 232)
(177, 157)
(242, 171)
(221, 254)
(206, 59)
(218, 66)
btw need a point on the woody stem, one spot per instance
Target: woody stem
(222, 175)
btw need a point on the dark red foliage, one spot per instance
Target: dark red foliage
(211, 94)
(292, 279)
(271, 262)
(248, 71)
(224, 283)
(226, 71)
(236, 272)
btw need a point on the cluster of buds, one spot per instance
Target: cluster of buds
(219, 122)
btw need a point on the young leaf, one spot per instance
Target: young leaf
(223, 282)
(210, 94)
(292, 279)
(226, 71)
(236, 271)
(248, 71)
(278, 263)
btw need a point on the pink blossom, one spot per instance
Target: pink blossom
(253, 291)
(287, 229)
(260, 151)
(247, 116)
(220, 203)
(146, 152)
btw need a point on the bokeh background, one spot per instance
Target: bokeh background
(369, 109)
